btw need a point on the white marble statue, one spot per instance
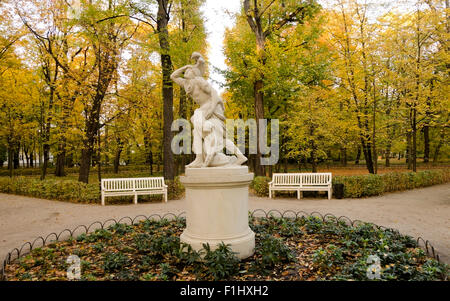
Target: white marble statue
(208, 120)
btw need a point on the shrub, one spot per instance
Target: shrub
(97, 235)
(371, 185)
(261, 186)
(165, 244)
(361, 186)
(71, 190)
(114, 261)
(167, 272)
(273, 251)
(221, 263)
(175, 189)
(57, 189)
(328, 257)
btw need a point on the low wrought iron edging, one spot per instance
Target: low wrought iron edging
(20, 252)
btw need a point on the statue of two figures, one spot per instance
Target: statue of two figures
(209, 133)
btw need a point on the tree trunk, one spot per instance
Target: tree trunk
(438, 146)
(159, 161)
(367, 151)
(99, 160)
(167, 90)
(151, 161)
(16, 157)
(69, 160)
(27, 157)
(10, 161)
(60, 160)
(117, 156)
(358, 155)
(414, 143)
(46, 151)
(390, 133)
(93, 118)
(87, 150)
(259, 114)
(426, 143)
(388, 155)
(408, 150)
(374, 141)
(343, 156)
(147, 148)
(85, 165)
(313, 159)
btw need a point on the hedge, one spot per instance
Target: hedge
(354, 186)
(372, 185)
(71, 190)
(260, 186)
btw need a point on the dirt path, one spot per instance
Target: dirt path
(421, 212)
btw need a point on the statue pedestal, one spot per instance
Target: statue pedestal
(217, 208)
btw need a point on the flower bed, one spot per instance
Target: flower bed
(306, 248)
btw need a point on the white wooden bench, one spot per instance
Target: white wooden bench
(301, 182)
(133, 186)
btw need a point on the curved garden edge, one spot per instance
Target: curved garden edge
(42, 241)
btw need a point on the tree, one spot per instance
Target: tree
(349, 36)
(266, 18)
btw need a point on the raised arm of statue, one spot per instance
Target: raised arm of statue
(176, 76)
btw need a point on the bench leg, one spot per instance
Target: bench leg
(103, 199)
(270, 193)
(165, 196)
(298, 194)
(329, 194)
(135, 199)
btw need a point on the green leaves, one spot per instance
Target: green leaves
(221, 263)
(272, 251)
(114, 262)
(286, 249)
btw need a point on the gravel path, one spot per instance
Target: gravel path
(421, 212)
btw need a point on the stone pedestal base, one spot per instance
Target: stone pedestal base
(217, 208)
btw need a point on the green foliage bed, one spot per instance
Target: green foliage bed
(286, 249)
(370, 185)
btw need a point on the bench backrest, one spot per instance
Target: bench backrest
(132, 184)
(145, 183)
(287, 179)
(316, 178)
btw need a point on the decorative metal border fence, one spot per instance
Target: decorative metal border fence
(27, 247)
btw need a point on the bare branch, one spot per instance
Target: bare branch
(250, 19)
(290, 18)
(267, 7)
